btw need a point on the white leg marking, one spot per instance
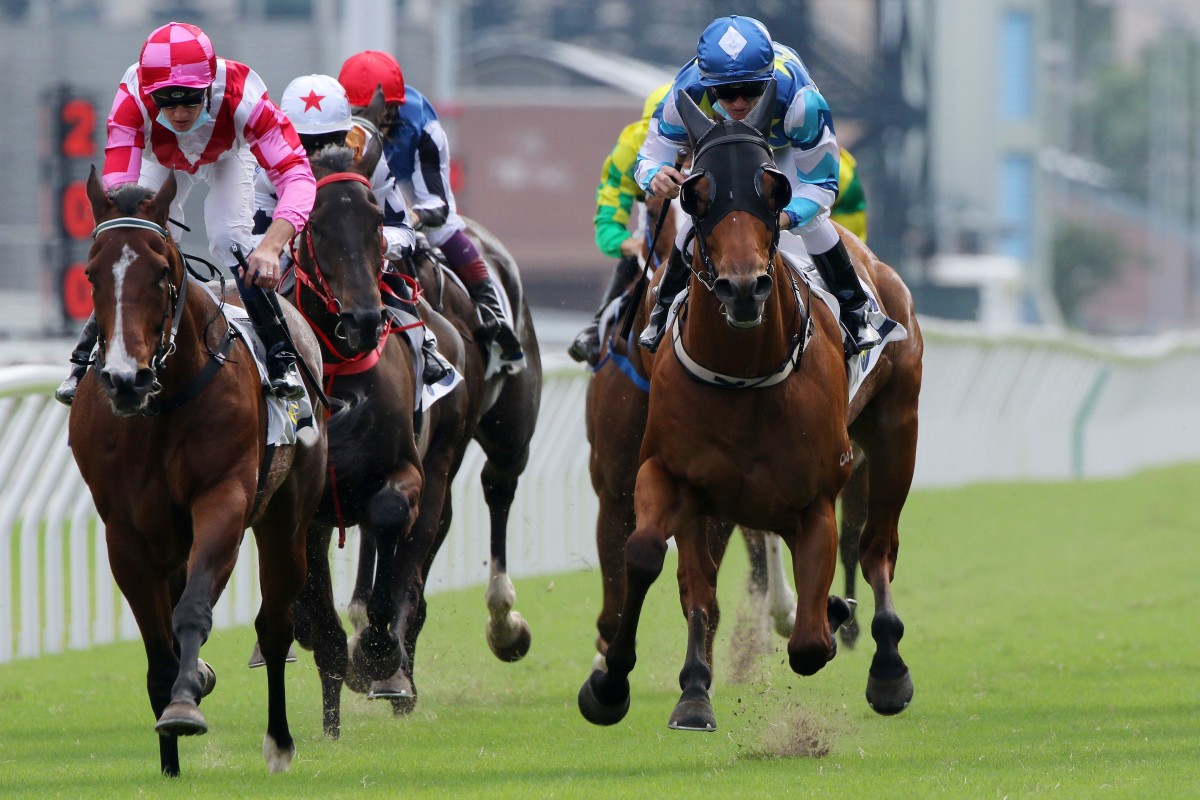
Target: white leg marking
(278, 760)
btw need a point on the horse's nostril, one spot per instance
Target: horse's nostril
(762, 287)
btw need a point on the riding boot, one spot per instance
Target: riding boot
(81, 359)
(838, 272)
(283, 376)
(494, 324)
(673, 281)
(586, 346)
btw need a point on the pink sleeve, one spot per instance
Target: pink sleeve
(126, 140)
(277, 147)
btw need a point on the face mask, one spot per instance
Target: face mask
(202, 119)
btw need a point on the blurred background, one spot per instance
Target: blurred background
(1026, 162)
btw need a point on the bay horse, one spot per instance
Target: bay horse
(169, 430)
(615, 418)
(750, 421)
(386, 475)
(502, 414)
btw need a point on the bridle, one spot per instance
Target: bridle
(176, 297)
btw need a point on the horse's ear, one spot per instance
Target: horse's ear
(161, 208)
(693, 118)
(376, 110)
(96, 194)
(369, 159)
(763, 113)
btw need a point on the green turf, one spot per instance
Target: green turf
(1049, 632)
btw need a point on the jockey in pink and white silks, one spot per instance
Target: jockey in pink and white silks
(735, 59)
(209, 119)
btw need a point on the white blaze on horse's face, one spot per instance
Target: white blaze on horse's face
(117, 358)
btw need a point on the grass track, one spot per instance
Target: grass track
(1050, 632)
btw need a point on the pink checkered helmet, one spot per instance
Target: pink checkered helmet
(177, 54)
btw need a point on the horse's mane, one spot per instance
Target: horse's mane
(334, 157)
(129, 196)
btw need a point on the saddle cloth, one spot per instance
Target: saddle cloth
(286, 419)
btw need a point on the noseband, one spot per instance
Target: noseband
(176, 297)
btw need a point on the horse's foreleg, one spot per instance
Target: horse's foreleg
(781, 601)
(326, 635)
(508, 634)
(604, 696)
(364, 580)
(854, 516)
(614, 525)
(217, 518)
(149, 597)
(701, 545)
(390, 516)
(814, 558)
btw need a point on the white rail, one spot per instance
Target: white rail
(1029, 407)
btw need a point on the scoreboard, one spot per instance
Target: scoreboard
(75, 126)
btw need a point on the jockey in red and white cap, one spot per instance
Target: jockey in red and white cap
(182, 108)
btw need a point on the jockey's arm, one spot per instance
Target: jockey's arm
(815, 156)
(655, 172)
(433, 151)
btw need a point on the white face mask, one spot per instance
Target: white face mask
(203, 118)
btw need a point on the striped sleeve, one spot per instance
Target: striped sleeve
(126, 136)
(618, 191)
(277, 148)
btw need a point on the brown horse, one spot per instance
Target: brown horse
(748, 422)
(385, 475)
(615, 416)
(170, 433)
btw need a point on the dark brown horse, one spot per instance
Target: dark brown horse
(748, 423)
(385, 475)
(502, 413)
(503, 410)
(170, 433)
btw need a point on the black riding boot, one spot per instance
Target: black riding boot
(436, 366)
(838, 272)
(586, 346)
(282, 372)
(81, 359)
(673, 282)
(493, 323)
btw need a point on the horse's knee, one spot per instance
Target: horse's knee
(390, 510)
(644, 556)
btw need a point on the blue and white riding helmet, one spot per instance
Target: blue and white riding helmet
(735, 49)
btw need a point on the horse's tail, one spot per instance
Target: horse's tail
(351, 424)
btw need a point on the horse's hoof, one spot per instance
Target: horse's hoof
(695, 714)
(397, 686)
(403, 706)
(839, 611)
(888, 697)
(596, 712)
(208, 677)
(257, 660)
(517, 648)
(181, 719)
(848, 633)
(377, 655)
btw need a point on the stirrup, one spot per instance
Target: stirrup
(652, 336)
(858, 336)
(586, 347)
(436, 366)
(288, 385)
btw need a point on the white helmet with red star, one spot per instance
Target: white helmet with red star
(316, 104)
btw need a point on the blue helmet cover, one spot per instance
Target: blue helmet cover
(734, 49)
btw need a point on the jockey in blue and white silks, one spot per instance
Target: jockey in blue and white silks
(735, 59)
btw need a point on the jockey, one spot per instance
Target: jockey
(318, 108)
(182, 108)
(850, 210)
(418, 155)
(735, 59)
(615, 198)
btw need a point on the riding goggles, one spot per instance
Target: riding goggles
(732, 91)
(173, 96)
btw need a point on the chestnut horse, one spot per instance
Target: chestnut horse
(385, 475)
(170, 433)
(750, 421)
(615, 416)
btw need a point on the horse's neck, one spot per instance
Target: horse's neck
(200, 330)
(750, 352)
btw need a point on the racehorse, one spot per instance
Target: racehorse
(169, 430)
(384, 475)
(615, 416)
(750, 421)
(502, 413)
